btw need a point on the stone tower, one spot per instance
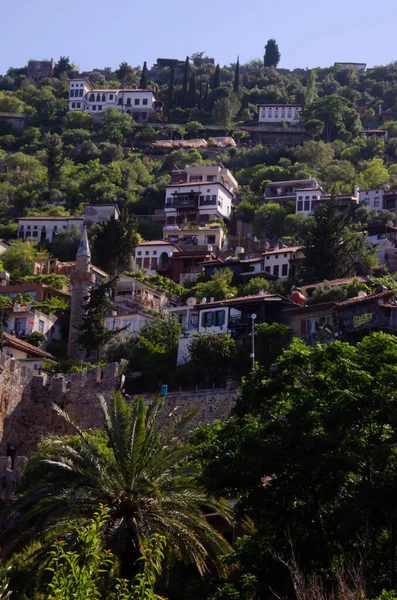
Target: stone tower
(82, 279)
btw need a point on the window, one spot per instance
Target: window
(81, 92)
(275, 270)
(376, 202)
(120, 102)
(284, 270)
(136, 102)
(110, 96)
(92, 97)
(100, 107)
(139, 253)
(98, 97)
(307, 197)
(78, 105)
(307, 205)
(147, 253)
(213, 319)
(35, 233)
(154, 252)
(210, 177)
(41, 326)
(300, 205)
(208, 199)
(73, 104)
(144, 102)
(128, 103)
(300, 197)
(103, 98)
(210, 239)
(72, 93)
(267, 269)
(314, 197)
(267, 257)
(307, 326)
(195, 178)
(72, 84)
(94, 107)
(34, 226)
(28, 226)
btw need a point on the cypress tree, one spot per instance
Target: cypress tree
(236, 84)
(171, 88)
(192, 95)
(272, 54)
(206, 95)
(53, 146)
(185, 82)
(143, 80)
(200, 101)
(217, 77)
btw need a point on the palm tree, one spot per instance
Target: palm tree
(142, 475)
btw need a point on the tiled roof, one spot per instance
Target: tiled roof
(242, 299)
(333, 282)
(14, 342)
(358, 300)
(283, 250)
(158, 243)
(42, 218)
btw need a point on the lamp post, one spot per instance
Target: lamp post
(252, 355)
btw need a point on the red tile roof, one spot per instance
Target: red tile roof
(14, 342)
(358, 300)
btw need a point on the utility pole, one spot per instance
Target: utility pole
(252, 355)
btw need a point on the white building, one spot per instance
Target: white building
(372, 198)
(280, 113)
(46, 228)
(22, 320)
(154, 256)
(139, 103)
(130, 323)
(283, 262)
(199, 194)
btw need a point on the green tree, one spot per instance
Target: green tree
(272, 54)
(314, 127)
(10, 103)
(77, 119)
(211, 356)
(120, 235)
(192, 93)
(54, 158)
(186, 72)
(144, 479)
(225, 111)
(236, 82)
(253, 286)
(331, 245)
(125, 73)
(36, 338)
(117, 125)
(269, 220)
(311, 90)
(66, 244)
(63, 66)
(193, 128)
(171, 88)
(92, 333)
(374, 175)
(217, 82)
(338, 115)
(218, 287)
(18, 260)
(143, 80)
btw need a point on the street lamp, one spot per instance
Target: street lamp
(252, 355)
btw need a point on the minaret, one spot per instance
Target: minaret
(82, 279)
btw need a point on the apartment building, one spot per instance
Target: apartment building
(199, 194)
(280, 113)
(207, 235)
(141, 104)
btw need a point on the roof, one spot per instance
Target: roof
(292, 181)
(45, 218)
(321, 306)
(290, 249)
(14, 342)
(333, 282)
(284, 105)
(245, 299)
(158, 243)
(363, 299)
(199, 183)
(84, 246)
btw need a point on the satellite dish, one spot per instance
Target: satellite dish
(203, 300)
(191, 301)
(362, 294)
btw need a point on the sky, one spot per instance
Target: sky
(98, 33)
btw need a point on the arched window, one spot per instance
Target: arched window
(92, 97)
(98, 97)
(128, 111)
(163, 260)
(128, 101)
(120, 102)
(103, 98)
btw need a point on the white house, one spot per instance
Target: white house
(199, 194)
(154, 256)
(21, 321)
(280, 113)
(132, 322)
(139, 103)
(46, 228)
(283, 262)
(372, 198)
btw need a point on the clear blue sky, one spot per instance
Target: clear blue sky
(99, 33)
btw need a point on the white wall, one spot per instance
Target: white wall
(223, 201)
(134, 323)
(37, 225)
(372, 198)
(306, 201)
(273, 261)
(280, 114)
